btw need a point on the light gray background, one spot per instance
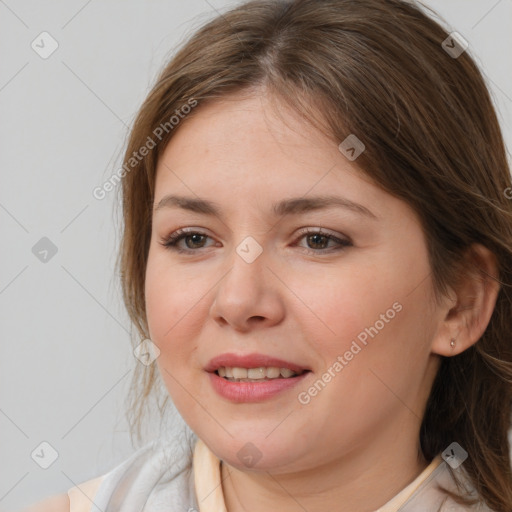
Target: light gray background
(65, 360)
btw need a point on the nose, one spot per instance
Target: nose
(249, 295)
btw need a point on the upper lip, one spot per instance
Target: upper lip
(250, 361)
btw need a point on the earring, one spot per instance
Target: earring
(452, 342)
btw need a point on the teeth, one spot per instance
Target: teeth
(239, 373)
(256, 373)
(273, 372)
(249, 374)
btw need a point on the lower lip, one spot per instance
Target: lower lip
(240, 392)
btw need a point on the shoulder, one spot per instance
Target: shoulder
(434, 493)
(56, 503)
(155, 476)
(82, 495)
(77, 499)
(158, 476)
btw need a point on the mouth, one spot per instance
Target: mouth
(259, 374)
(253, 377)
(254, 367)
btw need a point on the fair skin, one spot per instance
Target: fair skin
(305, 299)
(300, 306)
(56, 503)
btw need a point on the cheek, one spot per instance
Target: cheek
(338, 304)
(377, 318)
(161, 304)
(171, 300)
(171, 303)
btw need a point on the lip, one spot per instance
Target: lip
(250, 361)
(243, 392)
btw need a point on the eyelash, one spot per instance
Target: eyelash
(170, 242)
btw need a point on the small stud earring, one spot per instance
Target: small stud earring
(452, 342)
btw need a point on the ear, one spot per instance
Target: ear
(468, 311)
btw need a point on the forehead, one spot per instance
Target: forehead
(244, 152)
(252, 137)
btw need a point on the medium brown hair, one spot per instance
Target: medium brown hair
(377, 69)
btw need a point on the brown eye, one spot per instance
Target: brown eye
(193, 240)
(318, 242)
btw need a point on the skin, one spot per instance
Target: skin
(361, 432)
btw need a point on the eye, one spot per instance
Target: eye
(193, 240)
(316, 239)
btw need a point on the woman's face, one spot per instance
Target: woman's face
(352, 315)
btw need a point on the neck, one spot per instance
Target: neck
(343, 484)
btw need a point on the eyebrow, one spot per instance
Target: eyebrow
(293, 206)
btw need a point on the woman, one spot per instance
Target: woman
(317, 249)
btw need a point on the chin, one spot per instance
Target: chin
(255, 453)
